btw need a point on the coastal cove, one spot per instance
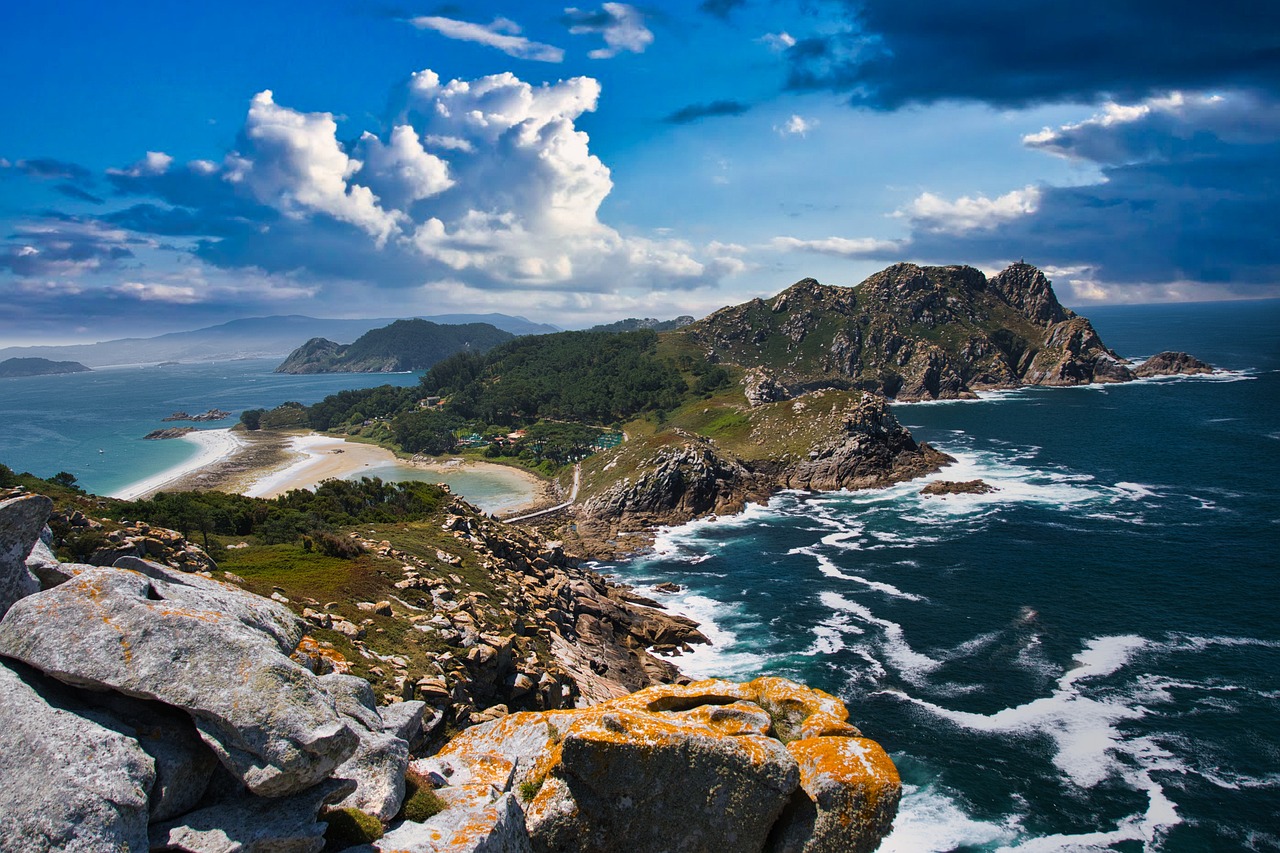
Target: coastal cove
(1084, 658)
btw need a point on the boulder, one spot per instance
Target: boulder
(67, 782)
(249, 824)
(380, 759)
(476, 822)
(21, 520)
(704, 763)
(216, 652)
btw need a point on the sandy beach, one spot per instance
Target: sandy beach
(317, 458)
(214, 444)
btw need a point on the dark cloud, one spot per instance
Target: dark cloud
(720, 8)
(1188, 195)
(1014, 53)
(48, 168)
(696, 112)
(60, 245)
(72, 191)
(596, 21)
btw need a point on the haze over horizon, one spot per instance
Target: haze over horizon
(169, 168)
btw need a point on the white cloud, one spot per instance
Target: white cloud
(294, 163)
(502, 34)
(844, 247)
(797, 125)
(174, 295)
(1162, 126)
(155, 163)
(400, 171)
(779, 41)
(621, 26)
(929, 212)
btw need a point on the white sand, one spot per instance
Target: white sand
(214, 444)
(318, 462)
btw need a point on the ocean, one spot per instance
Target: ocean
(60, 423)
(1087, 658)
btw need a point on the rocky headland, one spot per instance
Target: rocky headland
(11, 367)
(189, 713)
(211, 415)
(403, 345)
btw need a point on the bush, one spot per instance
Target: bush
(420, 801)
(332, 545)
(349, 827)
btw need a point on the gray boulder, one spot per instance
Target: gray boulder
(482, 824)
(21, 520)
(216, 652)
(380, 759)
(67, 783)
(249, 824)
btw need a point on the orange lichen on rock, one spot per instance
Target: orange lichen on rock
(853, 785)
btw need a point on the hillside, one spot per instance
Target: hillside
(401, 346)
(911, 333)
(38, 367)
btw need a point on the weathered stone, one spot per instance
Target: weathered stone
(67, 782)
(1172, 363)
(850, 793)
(379, 762)
(21, 520)
(249, 824)
(196, 644)
(475, 822)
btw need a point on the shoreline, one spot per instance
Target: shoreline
(269, 464)
(214, 446)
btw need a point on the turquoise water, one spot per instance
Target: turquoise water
(492, 489)
(59, 423)
(1087, 659)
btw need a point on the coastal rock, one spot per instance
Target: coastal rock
(124, 629)
(250, 824)
(704, 763)
(21, 520)
(1171, 364)
(67, 782)
(477, 822)
(153, 543)
(953, 487)
(168, 432)
(871, 450)
(1073, 354)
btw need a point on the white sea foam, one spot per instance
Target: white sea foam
(831, 570)
(911, 665)
(214, 444)
(931, 821)
(728, 656)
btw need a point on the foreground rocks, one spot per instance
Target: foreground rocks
(709, 766)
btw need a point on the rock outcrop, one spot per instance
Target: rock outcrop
(21, 520)
(1172, 364)
(942, 488)
(764, 766)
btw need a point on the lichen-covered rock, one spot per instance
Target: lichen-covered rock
(208, 648)
(1172, 364)
(249, 824)
(476, 822)
(67, 782)
(712, 765)
(21, 520)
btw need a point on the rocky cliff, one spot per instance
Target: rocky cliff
(911, 333)
(149, 708)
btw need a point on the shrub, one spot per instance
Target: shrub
(349, 827)
(420, 801)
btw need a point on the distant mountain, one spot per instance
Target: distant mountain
(253, 337)
(38, 367)
(634, 324)
(403, 345)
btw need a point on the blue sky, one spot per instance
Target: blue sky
(166, 166)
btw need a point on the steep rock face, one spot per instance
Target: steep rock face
(21, 520)
(680, 481)
(1172, 364)
(873, 449)
(766, 765)
(911, 333)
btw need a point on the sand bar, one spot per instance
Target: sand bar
(215, 445)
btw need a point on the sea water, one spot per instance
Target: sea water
(92, 424)
(1087, 658)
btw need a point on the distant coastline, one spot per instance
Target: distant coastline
(14, 367)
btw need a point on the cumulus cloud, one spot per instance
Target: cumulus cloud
(696, 112)
(930, 212)
(502, 34)
(621, 26)
(889, 53)
(779, 41)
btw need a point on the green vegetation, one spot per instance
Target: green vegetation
(347, 827)
(420, 801)
(530, 787)
(403, 345)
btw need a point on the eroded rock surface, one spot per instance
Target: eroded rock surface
(1172, 364)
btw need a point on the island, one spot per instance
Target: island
(402, 346)
(12, 367)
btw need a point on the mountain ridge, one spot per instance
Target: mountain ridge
(403, 345)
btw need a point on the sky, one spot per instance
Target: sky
(168, 166)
